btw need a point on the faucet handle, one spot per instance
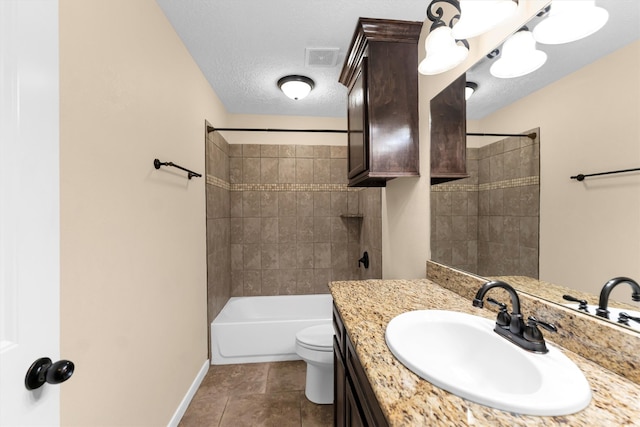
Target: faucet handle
(504, 319)
(531, 331)
(624, 318)
(583, 305)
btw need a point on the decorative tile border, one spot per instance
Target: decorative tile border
(217, 182)
(441, 188)
(508, 183)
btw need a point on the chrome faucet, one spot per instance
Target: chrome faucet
(527, 337)
(608, 287)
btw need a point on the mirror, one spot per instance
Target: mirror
(582, 244)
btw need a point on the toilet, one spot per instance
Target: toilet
(315, 346)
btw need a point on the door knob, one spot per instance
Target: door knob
(43, 371)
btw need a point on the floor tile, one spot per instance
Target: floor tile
(237, 379)
(273, 409)
(204, 410)
(256, 394)
(313, 415)
(286, 376)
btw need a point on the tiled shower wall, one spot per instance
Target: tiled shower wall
(281, 220)
(488, 223)
(295, 226)
(218, 224)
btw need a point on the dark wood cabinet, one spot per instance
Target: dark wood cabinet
(381, 75)
(355, 404)
(339, 387)
(449, 133)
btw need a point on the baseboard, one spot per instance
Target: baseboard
(177, 416)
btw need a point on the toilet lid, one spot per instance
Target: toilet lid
(320, 336)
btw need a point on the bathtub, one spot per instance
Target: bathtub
(263, 328)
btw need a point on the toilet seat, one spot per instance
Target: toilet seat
(317, 338)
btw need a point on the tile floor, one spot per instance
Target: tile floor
(256, 394)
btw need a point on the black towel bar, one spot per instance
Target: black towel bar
(190, 174)
(581, 177)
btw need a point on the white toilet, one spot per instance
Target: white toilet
(315, 346)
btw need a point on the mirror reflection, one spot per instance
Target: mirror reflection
(584, 105)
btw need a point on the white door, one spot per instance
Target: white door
(29, 207)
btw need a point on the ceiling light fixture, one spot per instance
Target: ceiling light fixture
(295, 87)
(570, 20)
(479, 16)
(443, 51)
(469, 89)
(519, 56)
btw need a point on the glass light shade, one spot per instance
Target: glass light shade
(479, 16)
(295, 87)
(519, 57)
(570, 20)
(469, 89)
(443, 53)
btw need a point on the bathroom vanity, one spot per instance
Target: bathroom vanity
(373, 388)
(355, 403)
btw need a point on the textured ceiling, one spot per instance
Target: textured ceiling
(244, 46)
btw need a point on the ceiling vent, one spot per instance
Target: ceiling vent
(321, 57)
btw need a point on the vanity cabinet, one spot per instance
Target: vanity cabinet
(380, 73)
(449, 133)
(355, 404)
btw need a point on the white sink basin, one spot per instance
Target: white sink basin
(460, 353)
(613, 314)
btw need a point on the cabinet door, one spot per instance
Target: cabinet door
(354, 417)
(449, 133)
(357, 116)
(339, 387)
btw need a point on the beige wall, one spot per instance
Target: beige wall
(133, 266)
(406, 215)
(589, 122)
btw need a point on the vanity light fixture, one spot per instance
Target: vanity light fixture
(519, 56)
(443, 51)
(479, 16)
(570, 20)
(295, 87)
(469, 89)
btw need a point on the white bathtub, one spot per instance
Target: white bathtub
(263, 328)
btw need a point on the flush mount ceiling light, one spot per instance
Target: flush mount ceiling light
(570, 20)
(295, 87)
(443, 51)
(479, 16)
(469, 89)
(519, 56)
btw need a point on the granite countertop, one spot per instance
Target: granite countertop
(367, 307)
